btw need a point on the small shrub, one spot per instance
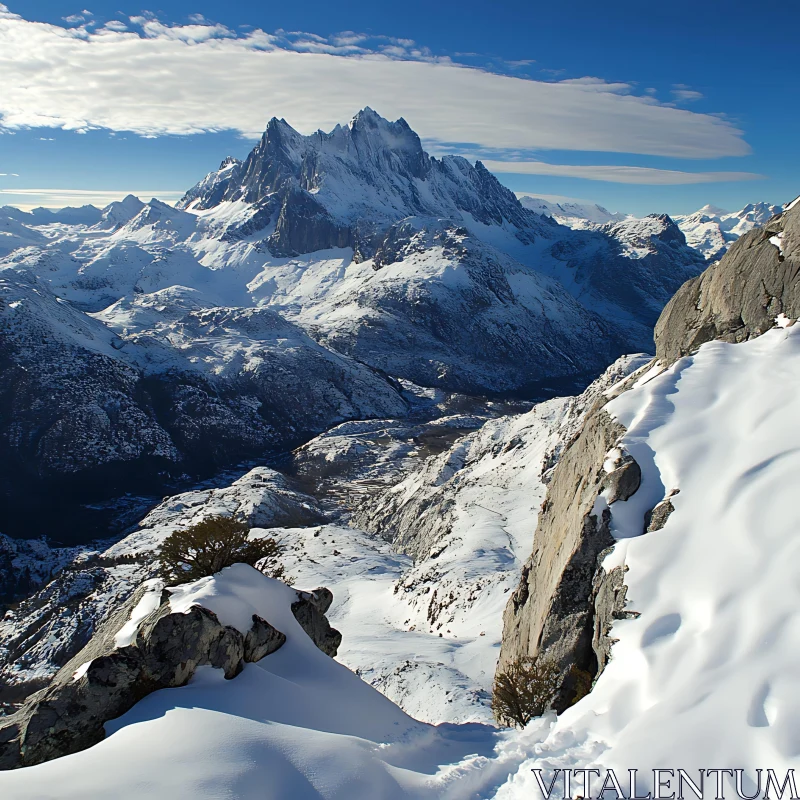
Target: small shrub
(524, 690)
(581, 681)
(213, 544)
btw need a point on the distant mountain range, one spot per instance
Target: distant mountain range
(710, 230)
(294, 290)
(571, 213)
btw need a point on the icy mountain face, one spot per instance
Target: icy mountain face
(116, 214)
(712, 230)
(571, 214)
(438, 307)
(27, 564)
(627, 270)
(346, 187)
(211, 190)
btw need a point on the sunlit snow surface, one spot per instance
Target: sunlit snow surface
(705, 677)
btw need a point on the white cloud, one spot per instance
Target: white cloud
(554, 198)
(58, 198)
(617, 174)
(683, 93)
(202, 77)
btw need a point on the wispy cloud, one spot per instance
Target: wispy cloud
(683, 93)
(159, 79)
(618, 174)
(58, 198)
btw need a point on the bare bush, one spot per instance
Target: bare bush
(213, 544)
(524, 690)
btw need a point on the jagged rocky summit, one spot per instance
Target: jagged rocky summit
(346, 187)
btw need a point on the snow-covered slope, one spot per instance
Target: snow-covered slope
(626, 271)
(705, 675)
(438, 307)
(116, 214)
(86, 410)
(712, 230)
(295, 724)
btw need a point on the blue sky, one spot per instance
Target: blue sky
(699, 99)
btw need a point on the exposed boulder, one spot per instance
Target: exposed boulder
(309, 611)
(656, 519)
(138, 651)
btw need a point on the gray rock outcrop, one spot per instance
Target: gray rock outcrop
(739, 297)
(104, 680)
(551, 615)
(309, 610)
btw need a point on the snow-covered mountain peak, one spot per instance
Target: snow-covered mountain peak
(712, 230)
(571, 213)
(348, 186)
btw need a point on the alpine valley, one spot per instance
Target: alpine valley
(491, 427)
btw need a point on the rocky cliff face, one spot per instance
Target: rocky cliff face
(566, 602)
(551, 614)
